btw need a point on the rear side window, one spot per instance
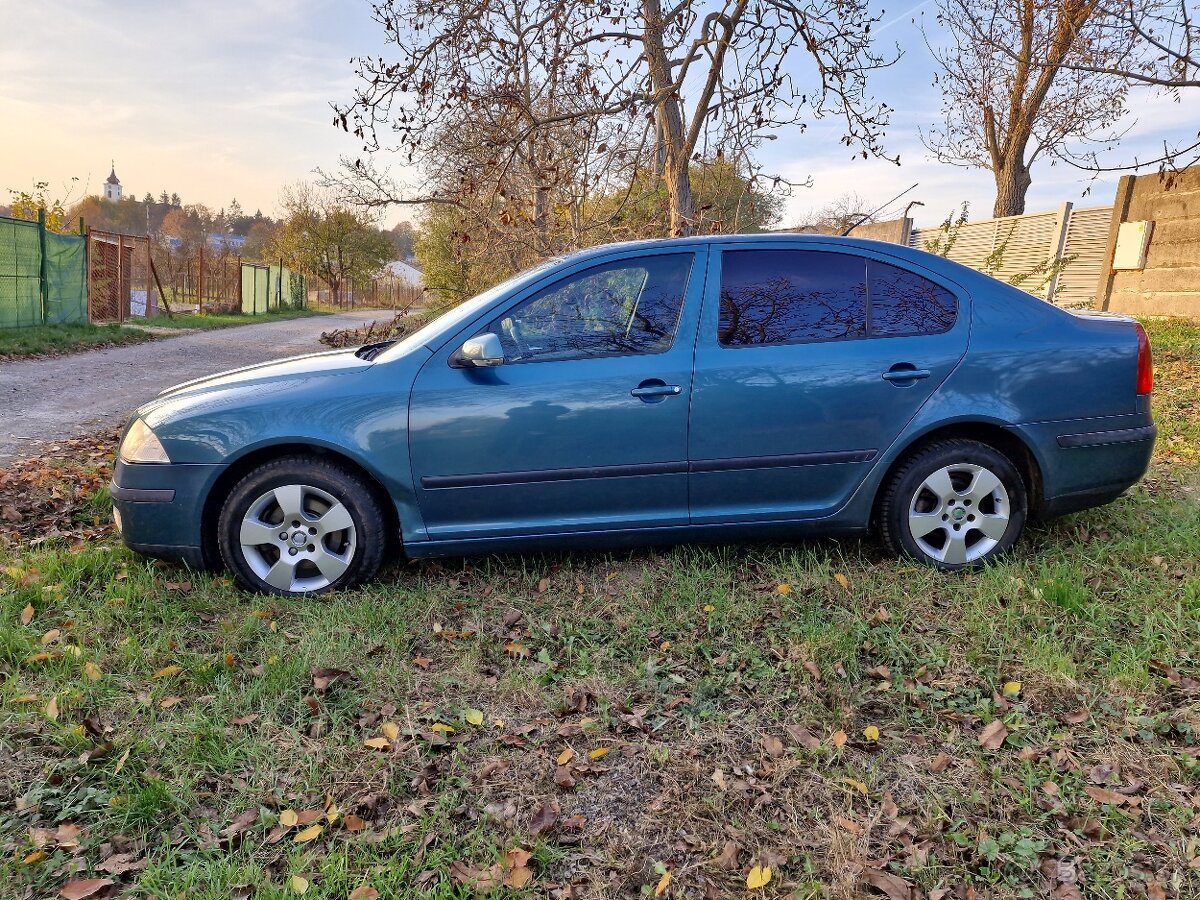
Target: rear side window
(805, 296)
(903, 303)
(791, 297)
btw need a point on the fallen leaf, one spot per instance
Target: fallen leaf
(519, 877)
(168, 702)
(390, 730)
(993, 735)
(52, 709)
(939, 764)
(544, 818)
(783, 589)
(121, 762)
(880, 616)
(27, 614)
(241, 823)
(543, 585)
(441, 726)
(50, 636)
(871, 733)
(323, 677)
(35, 856)
(566, 756)
(298, 884)
(474, 717)
(839, 739)
(288, 818)
(311, 833)
(364, 893)
(663, 884)
(121, 863)
(760, 876)
(377, 743)
(895, 887)
(81, 888)
(728, 857)
(1011, 689)
(422, 661)
(166, 672)
(773, 745)
(244, 720)
(804, 737)
(1104, 795)
(842, 580)
(598, 752)
(92, 671)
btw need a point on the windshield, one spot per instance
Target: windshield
(465, 311)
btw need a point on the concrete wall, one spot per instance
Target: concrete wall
(1170, 282)
(894, 232)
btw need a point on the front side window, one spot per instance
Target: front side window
(791, 297)
(620, 308)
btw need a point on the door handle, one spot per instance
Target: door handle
(655, 388)
(904, 372)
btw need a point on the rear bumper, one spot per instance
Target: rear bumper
(1087, 463)
(159, 508)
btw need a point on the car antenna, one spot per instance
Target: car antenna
(846, 233)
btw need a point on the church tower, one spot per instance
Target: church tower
(112, 185)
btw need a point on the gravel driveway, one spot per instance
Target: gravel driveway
(44, 400)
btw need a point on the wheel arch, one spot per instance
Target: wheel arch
(994, 434)
(254, 457)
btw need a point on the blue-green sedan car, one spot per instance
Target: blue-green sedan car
(719, 388)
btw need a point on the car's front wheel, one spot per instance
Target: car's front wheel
(955, 504)
(300, 525)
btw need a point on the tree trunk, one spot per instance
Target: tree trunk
(1012, 183)
(668, 117)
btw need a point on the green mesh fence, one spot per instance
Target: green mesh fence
(256, 285)
(66, 279)
(20, 274)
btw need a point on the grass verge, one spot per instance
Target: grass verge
(58, 340)
(227, 320)
(588, 725)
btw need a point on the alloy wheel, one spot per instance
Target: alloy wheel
(959, 513)
(298, 538)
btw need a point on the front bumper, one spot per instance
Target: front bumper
(159, 508)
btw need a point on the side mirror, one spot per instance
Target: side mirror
(484, 350)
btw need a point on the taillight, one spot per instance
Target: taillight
(1145, 376)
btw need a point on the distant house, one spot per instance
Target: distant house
(232, 242)
(405, 272)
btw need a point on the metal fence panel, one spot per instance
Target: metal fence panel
(1087, 241)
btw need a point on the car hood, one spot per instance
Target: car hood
(330, 362)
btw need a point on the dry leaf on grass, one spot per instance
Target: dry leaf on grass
(759, 877)
(895, 887)
(364, 893)
(993, 735)
(81, 888)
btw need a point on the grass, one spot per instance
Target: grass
(226, 320)
(56, 340)
(730, 697)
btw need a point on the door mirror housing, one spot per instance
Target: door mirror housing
(484, 350)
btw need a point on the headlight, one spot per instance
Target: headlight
(141, 446)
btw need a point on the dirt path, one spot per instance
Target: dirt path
(46, 400)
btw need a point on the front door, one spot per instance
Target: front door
(584, 425)
(810, 362)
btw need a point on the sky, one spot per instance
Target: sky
(230, 98)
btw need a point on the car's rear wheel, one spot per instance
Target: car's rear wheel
(954, 504)
(297, 526)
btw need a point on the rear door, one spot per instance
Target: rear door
(584, 426)
(810, 362)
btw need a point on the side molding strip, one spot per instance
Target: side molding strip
(535, 476)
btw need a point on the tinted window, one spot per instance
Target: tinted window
(791, 296)
(631, 306)
(904, 303)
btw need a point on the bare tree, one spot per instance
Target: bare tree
(698, 76)
(1015, 91)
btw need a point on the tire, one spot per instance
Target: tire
(955, 504)
(334, 535)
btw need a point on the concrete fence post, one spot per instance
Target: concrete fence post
(1058, 244)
